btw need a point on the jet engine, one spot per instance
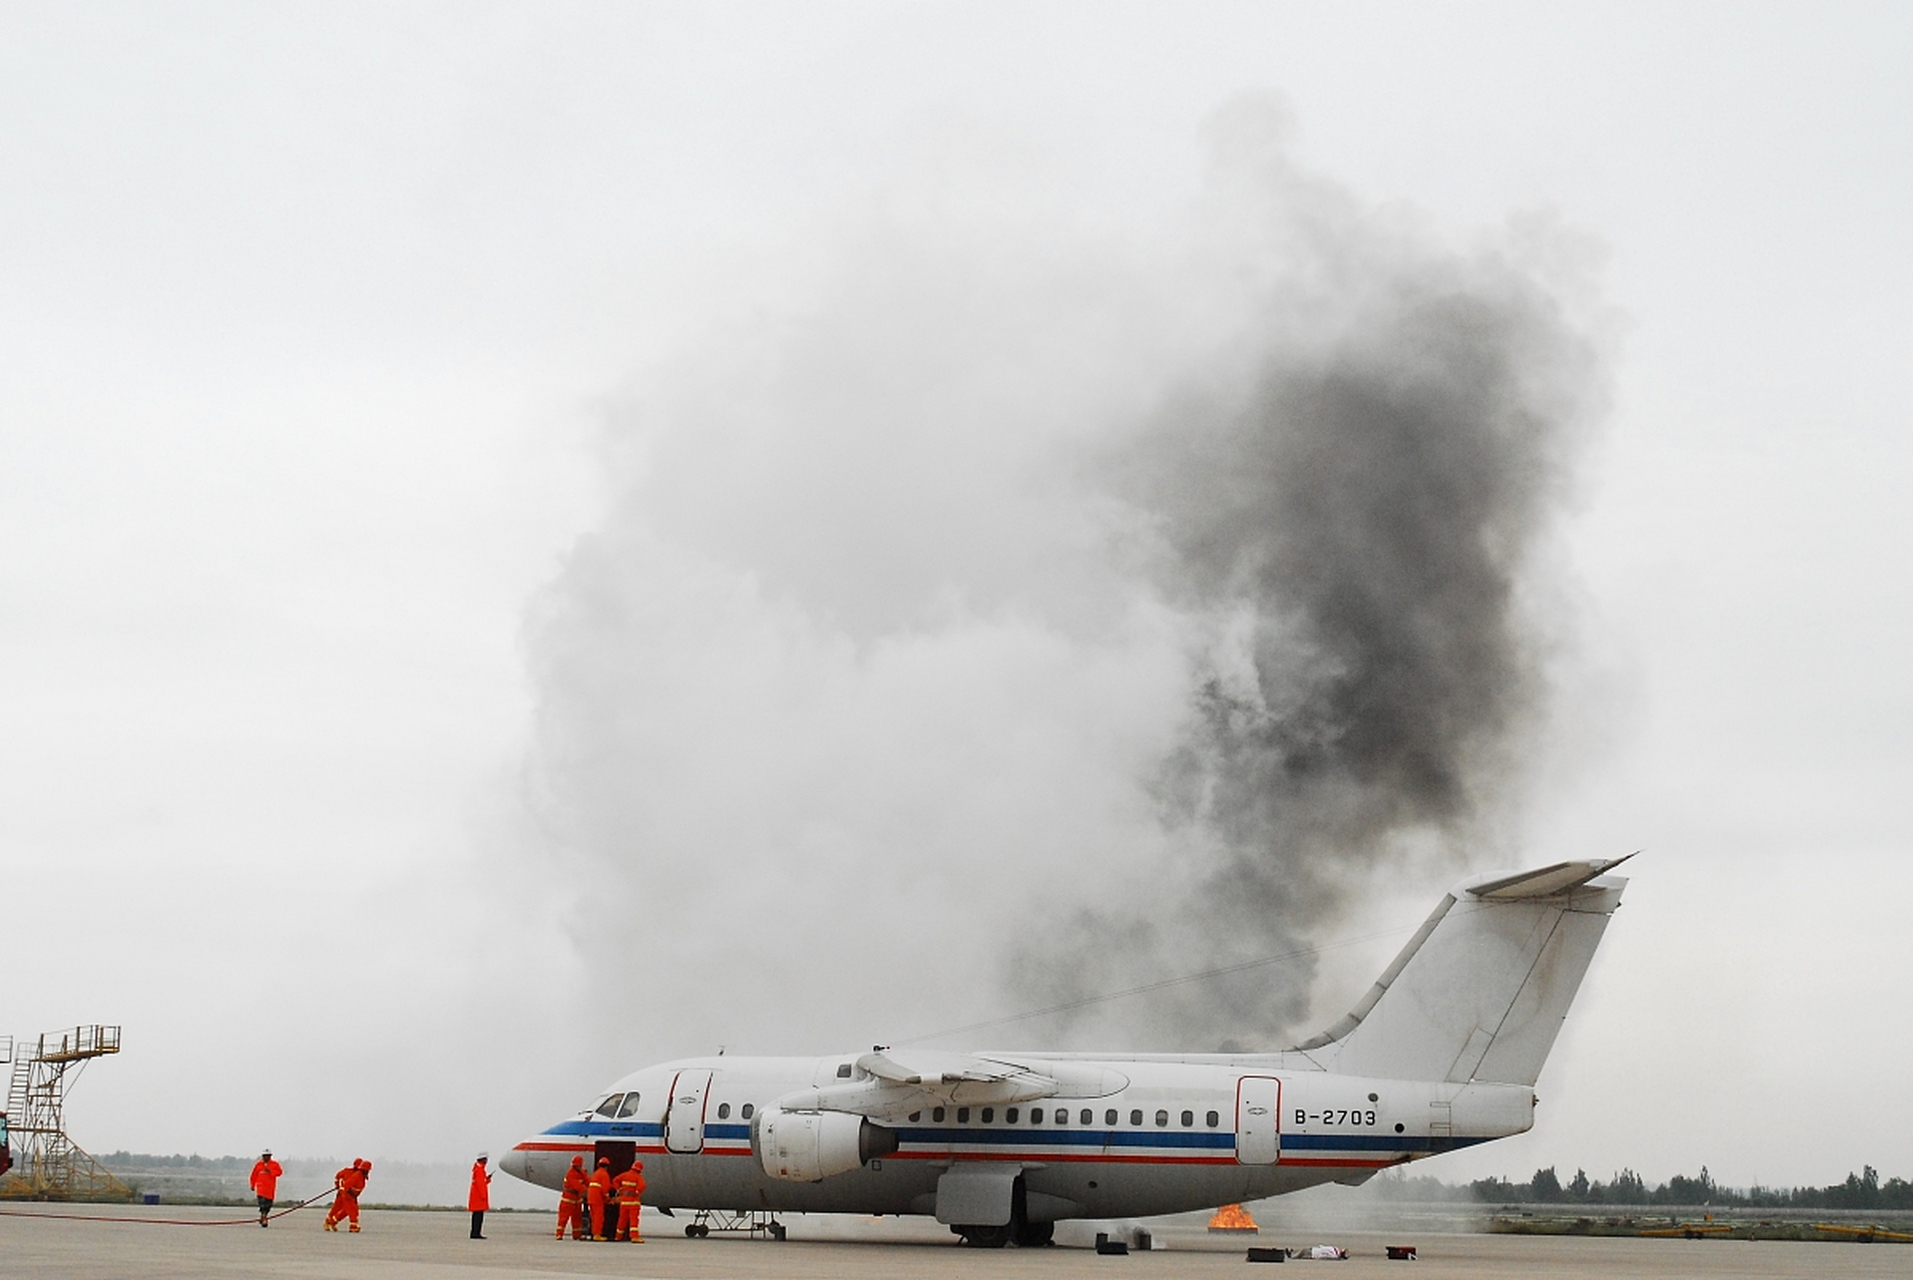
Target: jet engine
(809, 1146)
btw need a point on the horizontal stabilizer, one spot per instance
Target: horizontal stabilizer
(1544, 882)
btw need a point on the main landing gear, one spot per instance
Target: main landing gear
(1019, 1230)
(1024, 1235)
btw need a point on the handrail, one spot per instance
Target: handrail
(80, 1042)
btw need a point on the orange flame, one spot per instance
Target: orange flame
(1232, 1217)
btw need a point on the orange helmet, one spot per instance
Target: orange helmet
(577, 1162)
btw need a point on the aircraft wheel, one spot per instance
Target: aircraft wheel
(777, 1230)
(1034, 1235)
(690, 1231)
(985, 1237)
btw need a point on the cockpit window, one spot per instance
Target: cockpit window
(609, 1107)
(630, 1107)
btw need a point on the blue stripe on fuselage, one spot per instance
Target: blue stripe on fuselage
(1064, 1138)
(614, 1129)
(1370, 1142)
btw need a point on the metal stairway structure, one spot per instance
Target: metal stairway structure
(48, 1165)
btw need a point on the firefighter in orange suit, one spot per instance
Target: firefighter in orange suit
(348, 1182)
(571, 1201)
(596, 1192)
(630, 1185)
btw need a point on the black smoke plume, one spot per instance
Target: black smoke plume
(1349, 509)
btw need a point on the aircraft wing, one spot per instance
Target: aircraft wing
(958, 1077)
(900, 1081)
(931, 1067)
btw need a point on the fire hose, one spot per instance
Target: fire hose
(169, 1222)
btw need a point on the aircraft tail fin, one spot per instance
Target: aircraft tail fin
(1481, 990)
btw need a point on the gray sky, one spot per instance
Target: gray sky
(357, 354)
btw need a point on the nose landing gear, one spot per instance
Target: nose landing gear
(743, 1222)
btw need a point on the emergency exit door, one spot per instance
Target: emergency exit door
(1258, 1120)
(684, 1120)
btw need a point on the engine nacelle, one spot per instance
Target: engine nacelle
(809, 1146)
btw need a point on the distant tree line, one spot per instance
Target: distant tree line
(207, 1164)
(214, 1166)
(1862, 1191)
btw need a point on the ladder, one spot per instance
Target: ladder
(50, 1165)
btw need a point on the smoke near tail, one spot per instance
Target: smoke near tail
(1349, 519)
(1026, 577)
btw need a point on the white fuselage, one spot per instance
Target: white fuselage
(1442, 1052)
(1112, 1137)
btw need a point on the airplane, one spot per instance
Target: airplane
(1441, 1053)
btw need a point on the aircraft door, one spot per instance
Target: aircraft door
(684, 1118)
(620, 1154)
(1258, 1120)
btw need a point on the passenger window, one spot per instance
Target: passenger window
(963, 1115)
(1109, 1116)
(748, 1110)
(1188, 1119)
(936, 1115)
(989, 1114)
(1089, 1117)
(915, 1116)
(843, 1071)
(1009, 1116)
(723, 1111)
(1062, 1115)
(609, 1107)
(1135, 1117)
(630, 1107)
(1162, 1119)
(1212, 1119)
(1036, 1115)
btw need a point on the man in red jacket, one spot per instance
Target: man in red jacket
(265, 1183)
(481, 1197)
(571, 1201)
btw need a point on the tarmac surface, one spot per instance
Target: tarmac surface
(434, 1246)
